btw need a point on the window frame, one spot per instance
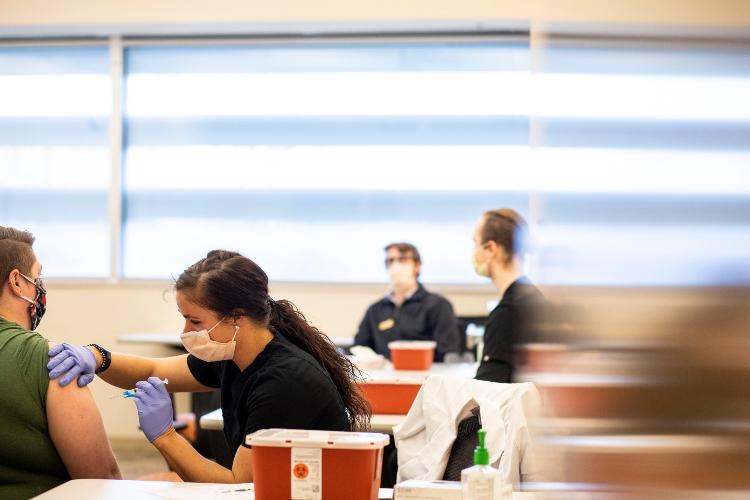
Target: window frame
(117, 44)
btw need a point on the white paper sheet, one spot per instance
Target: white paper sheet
(241, 491)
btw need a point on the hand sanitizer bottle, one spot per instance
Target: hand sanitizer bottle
(481, 482)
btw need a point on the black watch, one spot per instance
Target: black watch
(106, 357)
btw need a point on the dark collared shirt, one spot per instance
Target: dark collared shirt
(509, 324)
(422, 316)
(284, 387)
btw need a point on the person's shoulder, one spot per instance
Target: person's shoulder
(31, 354)
(38, 344)
(282, 353)
(432, 297)
(521, 295)
(294, 377)
(287, 363)
(374, 307)
(216, 367)
(13, 331)
(25, 340)
(528, 292)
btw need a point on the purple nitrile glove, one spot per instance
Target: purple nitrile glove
(154, 407)
(74, 362)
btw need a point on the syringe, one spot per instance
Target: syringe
(130, 393)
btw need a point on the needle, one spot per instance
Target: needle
(130, 393)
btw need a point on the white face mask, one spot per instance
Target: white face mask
(481, 268)
(402, 274)
(200, 345)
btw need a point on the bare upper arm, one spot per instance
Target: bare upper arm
(180, 377)
(77, 431)
(242, 466)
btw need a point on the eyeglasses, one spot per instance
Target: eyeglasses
(401, 259)
(38, 282)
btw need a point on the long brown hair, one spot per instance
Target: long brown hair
(230, 284)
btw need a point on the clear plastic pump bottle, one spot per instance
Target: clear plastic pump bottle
(482, 482)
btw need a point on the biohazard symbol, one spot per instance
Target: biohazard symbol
(301, 471)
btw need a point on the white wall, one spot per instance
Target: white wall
(24, 17)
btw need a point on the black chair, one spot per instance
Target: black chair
(209, 443)
(465, 323)
(462, 452)
(389, 468)
(461, 456)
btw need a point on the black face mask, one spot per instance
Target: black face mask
(39, 305)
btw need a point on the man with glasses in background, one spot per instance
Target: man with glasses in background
(408, 311)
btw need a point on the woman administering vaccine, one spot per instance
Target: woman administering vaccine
(273, 368)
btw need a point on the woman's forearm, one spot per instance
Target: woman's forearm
(188, 463)
(125, 369)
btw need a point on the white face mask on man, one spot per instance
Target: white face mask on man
(200, 345)
(482, 268)
(402, 274)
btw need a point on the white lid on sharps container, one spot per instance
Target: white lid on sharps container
(417, 345)
(291, 438)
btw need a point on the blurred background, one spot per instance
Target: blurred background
(136, 136)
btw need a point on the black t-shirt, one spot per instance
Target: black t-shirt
(423, 316)
(284, 387)
(510, 323)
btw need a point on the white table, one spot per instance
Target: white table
(385, 423)
(461, 370)
(344, 342)
(214, 421)
(163, 339)
(173, 339)
(111, 489)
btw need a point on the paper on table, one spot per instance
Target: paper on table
(238, 491)
(367, 359)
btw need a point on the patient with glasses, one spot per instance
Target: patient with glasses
(48, 433)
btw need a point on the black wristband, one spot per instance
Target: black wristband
(106, 357)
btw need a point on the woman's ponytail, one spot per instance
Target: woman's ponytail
(287, 320)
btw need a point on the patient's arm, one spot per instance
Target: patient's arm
(77, 431)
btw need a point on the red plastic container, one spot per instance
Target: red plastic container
(543, 357)
(323, 465)
(412, 354)
(391, 396)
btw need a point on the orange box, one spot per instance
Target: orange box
(391, 396)
(542, 357)
(307, 465)
(412, 354)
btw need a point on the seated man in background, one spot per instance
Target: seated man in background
(408, 311)
(48, 434)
